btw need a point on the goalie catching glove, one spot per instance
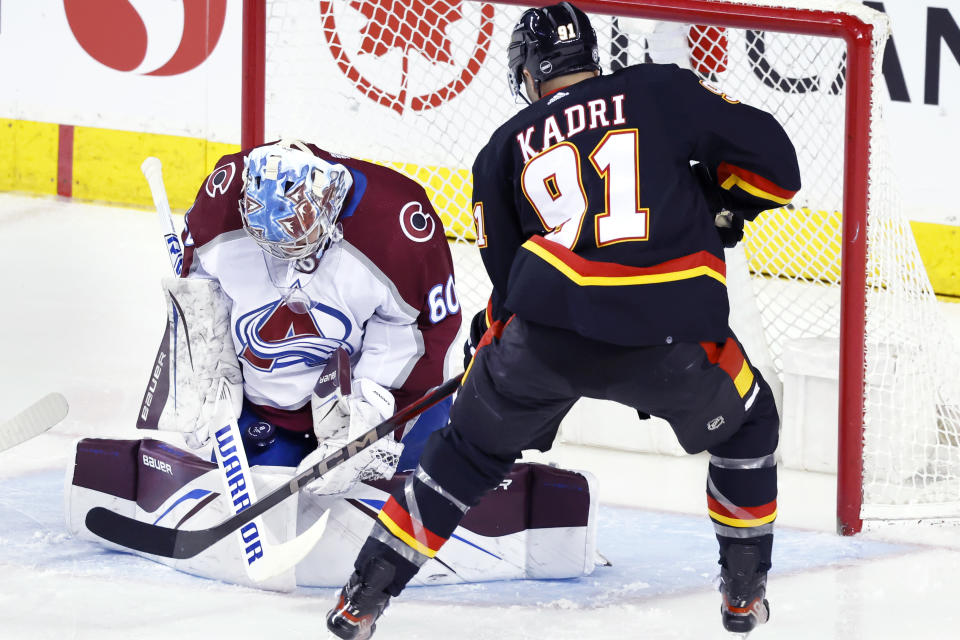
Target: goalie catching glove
(338, 419)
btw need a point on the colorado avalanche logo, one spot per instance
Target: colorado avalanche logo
(415, 223)
(274, 337)
(219, 181)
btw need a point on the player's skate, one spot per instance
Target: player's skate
(743, 585)
(361, 602)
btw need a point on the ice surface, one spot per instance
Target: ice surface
(83, 314)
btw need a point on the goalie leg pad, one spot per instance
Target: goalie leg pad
(540, 522)
(158, 483)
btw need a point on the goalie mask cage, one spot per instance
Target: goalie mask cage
(420, 85)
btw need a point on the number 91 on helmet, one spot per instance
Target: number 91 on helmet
(292, 200)
(549, 42)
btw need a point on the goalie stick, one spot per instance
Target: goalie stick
(277, 558)
(177, 543)
(153, 171)
(34, 420)
(264, 559)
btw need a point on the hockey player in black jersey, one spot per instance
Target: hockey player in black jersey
(605, 250)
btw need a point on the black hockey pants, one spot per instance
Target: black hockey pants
(520, 387)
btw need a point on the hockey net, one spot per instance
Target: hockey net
(420, 85)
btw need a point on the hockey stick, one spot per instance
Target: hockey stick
(264, 559)
(280, 557)
(34, 420)
(153, 171)
(177, 543)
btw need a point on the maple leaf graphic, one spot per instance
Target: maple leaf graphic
(416, 27)
(408, 24)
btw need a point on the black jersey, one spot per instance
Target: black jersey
(590, 219)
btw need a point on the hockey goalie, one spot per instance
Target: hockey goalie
(316, 299)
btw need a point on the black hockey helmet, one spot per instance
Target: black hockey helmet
(551, 41)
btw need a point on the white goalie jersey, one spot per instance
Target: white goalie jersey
(385, 292)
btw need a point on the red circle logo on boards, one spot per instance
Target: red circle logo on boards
(113, 33)
(401, 35)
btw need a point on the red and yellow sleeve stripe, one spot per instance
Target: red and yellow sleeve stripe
(401, 524)
(587, 273)
(742, 516)
(730, 176)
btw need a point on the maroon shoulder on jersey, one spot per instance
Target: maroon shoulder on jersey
(395, 226)
(389, 218)
(216, 209)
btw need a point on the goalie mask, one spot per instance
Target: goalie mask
(550, 42)
(292, 199)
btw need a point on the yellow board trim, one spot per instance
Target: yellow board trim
(805, 243)
(106, 169)
(616, 281)
(939, 247)
(736, 522)
(107, 165)
(29, 159)
(798, 243)
(409, 540)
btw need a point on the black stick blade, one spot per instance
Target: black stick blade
(132, 534)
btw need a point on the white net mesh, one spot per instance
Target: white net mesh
(421, 84)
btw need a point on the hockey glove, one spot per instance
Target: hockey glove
(729, 223)
(378, 461)
(478, 326)
(339, 419)
(712, 192)
(730, 227)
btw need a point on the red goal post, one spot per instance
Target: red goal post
(272, 26)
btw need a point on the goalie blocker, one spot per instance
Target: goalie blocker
(539, 523)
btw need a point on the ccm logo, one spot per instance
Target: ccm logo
(150, 461)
